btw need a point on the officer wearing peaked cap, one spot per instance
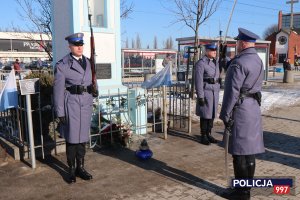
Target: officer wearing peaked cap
(75, 39)
(73, 104)
(241, 108)
(207, 89)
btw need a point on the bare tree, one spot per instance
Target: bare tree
(169, 43)
(138, 43)
(126, 9)
(38, 14)
(132, 44)
(127, 43)
(155, 43)
(193, 13)
(166, 44)
(270, 30)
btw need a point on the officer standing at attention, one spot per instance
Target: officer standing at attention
(241, 108)
(73, 104)
(207, 90)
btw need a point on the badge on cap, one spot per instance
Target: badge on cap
(211, 46)
(246, 35)
(75, 39)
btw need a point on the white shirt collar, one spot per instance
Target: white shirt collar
(77, 58)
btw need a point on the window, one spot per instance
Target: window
(286, 19)
(297, 21)
(98, 12)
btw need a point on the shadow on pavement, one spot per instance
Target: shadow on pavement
(195, 138)
(56, 165)
(282, 142)
(281, 148)
(269, 116)
(163, 169)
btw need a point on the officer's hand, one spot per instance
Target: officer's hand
(95, 92)
(62, 120)
(201, 101)
(228, 124)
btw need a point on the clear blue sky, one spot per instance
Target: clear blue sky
(152, 18)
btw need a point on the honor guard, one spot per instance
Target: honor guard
(241, 108)
(73, 104)
(207, 89)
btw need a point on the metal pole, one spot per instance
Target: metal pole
(30, 131)
(190, 116)
(123, 65)
(165, 113)
(225, 36)
(292, 12)
(292, 15)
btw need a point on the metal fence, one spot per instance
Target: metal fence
(14, 121)
(118, 115)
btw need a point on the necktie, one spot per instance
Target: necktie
(80, 61)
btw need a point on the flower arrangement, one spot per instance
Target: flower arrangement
(115, 130)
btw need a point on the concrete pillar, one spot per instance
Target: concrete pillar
(288, 76)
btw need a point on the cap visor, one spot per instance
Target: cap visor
(77, 43)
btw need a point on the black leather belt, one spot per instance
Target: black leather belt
(211, 80)
(79, 89)
(257, 96)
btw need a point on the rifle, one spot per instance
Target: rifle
(95, 92)
(223, 45)
(227, 133)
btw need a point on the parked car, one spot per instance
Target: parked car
(47, 64)
(32, 65)
(8, 65)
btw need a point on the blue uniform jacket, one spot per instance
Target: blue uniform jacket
(244, 72)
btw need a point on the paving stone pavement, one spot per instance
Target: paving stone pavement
(181, 168)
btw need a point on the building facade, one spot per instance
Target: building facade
(285, 43)
(262, 47)
(23, 46)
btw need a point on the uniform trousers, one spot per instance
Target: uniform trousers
(206, 125)
(244, 168)
(75, 151)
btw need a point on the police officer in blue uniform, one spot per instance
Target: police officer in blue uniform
(241, 108)
(73, 104)
(207, 89)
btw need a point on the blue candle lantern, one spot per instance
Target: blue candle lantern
(144, 153)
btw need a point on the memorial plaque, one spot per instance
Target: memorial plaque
(103, 71)
(29, 86)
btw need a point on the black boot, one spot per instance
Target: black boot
(210, 138)
(250, 160)
(251, 169)
(239, 194)
(72, 171)
(240, 172)
(204, 139)
(81, 172)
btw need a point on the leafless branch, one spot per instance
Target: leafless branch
(37, 17)
(126, 9)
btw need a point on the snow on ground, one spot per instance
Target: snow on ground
(275, 98)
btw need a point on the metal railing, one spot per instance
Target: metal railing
(117, 113)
